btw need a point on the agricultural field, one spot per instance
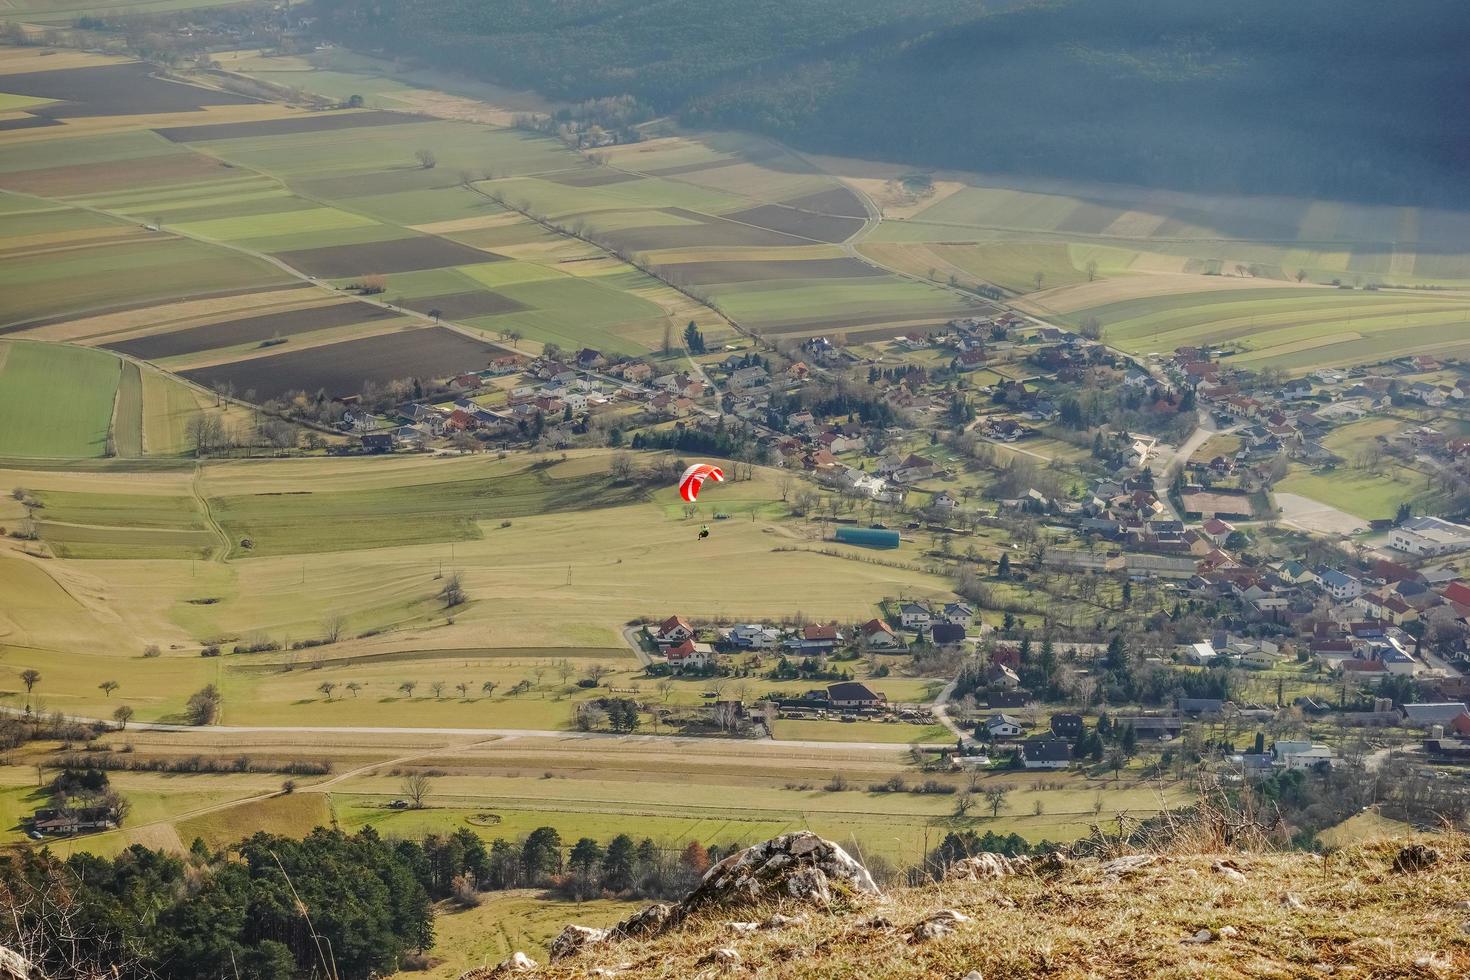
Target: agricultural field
(155, 212)
(46, 419)
(254, 551)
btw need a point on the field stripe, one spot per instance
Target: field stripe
(127, 416)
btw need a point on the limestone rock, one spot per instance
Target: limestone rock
(1228, 869)
(574, 939)
(938, 925)
(779, 921)
(983, 866)
(1124, 866)
(724, 957)
(800, 866)
(647, 922)
(742, 927)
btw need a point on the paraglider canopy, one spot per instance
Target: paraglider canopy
(694, 478)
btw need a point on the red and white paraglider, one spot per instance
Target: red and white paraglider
(691, 482)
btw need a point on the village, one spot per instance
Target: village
(1162, 475)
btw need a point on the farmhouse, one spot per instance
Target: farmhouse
(915, 615)
(851, 694)
(73, 821)
(878, 635)
(1046, 753)
(675, 629)
(1067, 725)
(1002, 725)
(690, 655)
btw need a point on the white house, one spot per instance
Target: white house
(1046, 753)
(1001, 725)
(675, 629)
(1340, 585)
(915, 616)
(959, 614)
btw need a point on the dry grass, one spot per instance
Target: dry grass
(1348, 915)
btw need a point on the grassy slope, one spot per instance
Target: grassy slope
(1356, 918)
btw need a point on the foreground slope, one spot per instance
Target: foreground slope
(1352, 913)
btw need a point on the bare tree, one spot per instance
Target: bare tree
(488, 688)
(30, 677)
(107, 687)
(995, 798)
(353, 686)
(665, 686)
(438, 688)
(416, 787)
(963, 804)
(407, 688)
(333, 627)
(464, 690)
(426, 159)
(122, 715)
(453, 593)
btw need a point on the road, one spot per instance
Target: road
(673, 741)
(941, 713)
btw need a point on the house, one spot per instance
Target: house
(751, 377)
(1201, 707)
(851, 694)
(1202, 654)
(958, 613)
(947, 634)
(1441, 713)
(675, 629)
(72, 821)
(1302, 755)
(1427, 536)
(1001, 676)
(1217, 530)
(1002, 725)
(690, 655)
(913, 468)
(379, 442)
(915, 616)
(1340, 585)
(819, 639)
(1159, 728)
(878, 635)
(1046, 753)
(753, 636)
(1067, 726)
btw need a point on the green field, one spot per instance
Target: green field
(1363, 494)
(45, 419)
(1294, 329)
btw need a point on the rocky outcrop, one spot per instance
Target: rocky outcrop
(794, 869)
(574, 939)
(799, 868)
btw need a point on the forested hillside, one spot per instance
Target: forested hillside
(1175, 93)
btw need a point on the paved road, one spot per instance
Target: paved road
(501, 733)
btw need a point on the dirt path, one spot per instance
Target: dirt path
(214, 525)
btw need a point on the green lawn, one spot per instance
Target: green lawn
(56, 401)
(1359, 493)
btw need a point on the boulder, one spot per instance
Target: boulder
(799, 867)
(647, 922)
(938, 925)
(983, 866)
(723, 957)
(575, 939)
